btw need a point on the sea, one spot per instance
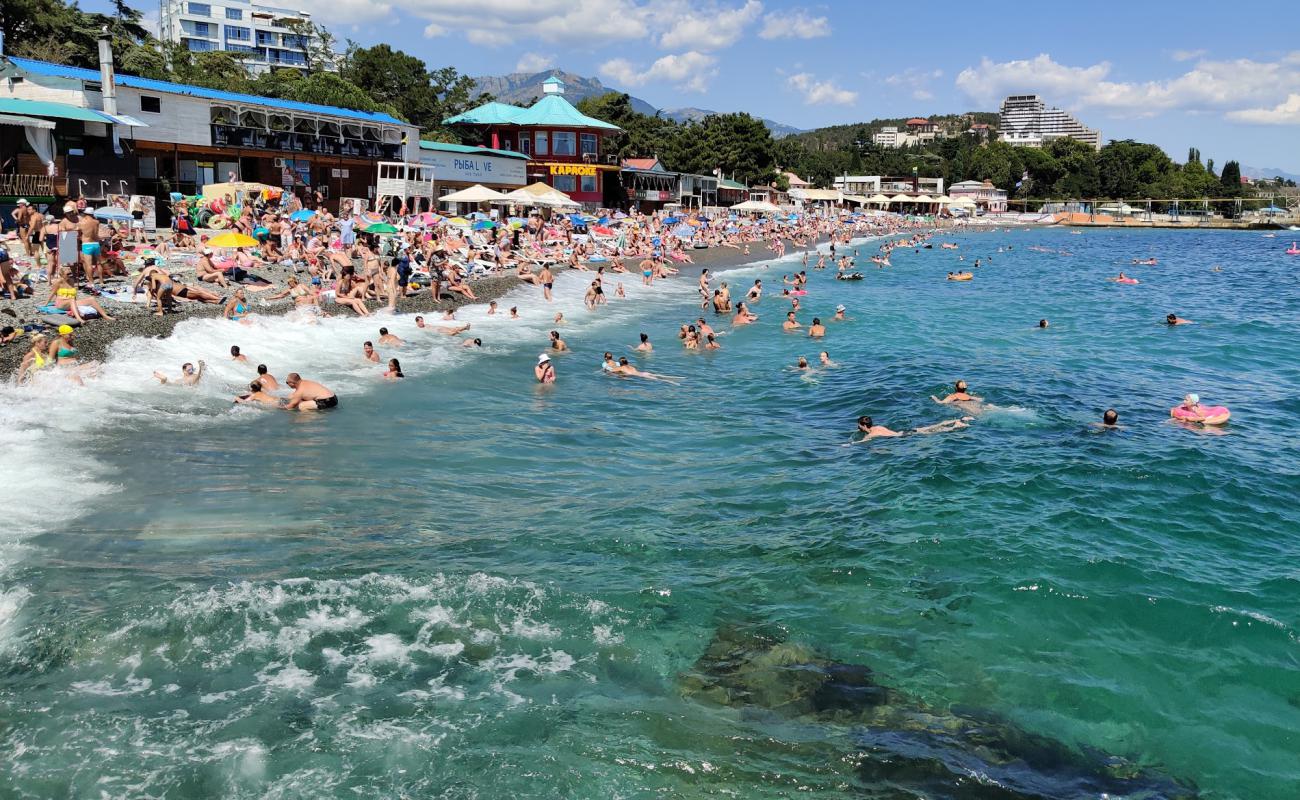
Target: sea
(465, 585)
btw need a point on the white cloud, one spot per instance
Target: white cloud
(708, 27)
(922, 94)
(1186, 55)
(917, 80)
(1208, 87)
(1285, 113)
(797, 23)
(534, 62)
(433, 30)
(495, 23)
(691, 71)
(817, 92)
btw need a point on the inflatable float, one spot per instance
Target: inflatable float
(1191, 410)
(965, 276)
(1293, 250)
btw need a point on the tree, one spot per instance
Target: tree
(317, 43)
(1231, 180)
(401, 81)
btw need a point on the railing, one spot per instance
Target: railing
(293, 142)
(35, 185)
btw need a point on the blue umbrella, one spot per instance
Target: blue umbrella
(111, 213)
(577, 219)
(484, 224)
(603, 221)
(683, 231)
(671, 220)
(302, 215)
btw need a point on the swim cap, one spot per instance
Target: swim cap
(64, 330)
(1192, 399)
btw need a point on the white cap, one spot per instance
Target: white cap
(207, 251)
(543, 358)
(839, 308)
(22, 201)
(1192, 399)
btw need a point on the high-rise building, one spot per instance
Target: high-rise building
(256, 32)
(1026, 121)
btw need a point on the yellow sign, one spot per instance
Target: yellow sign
(573, 169)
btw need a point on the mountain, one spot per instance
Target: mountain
(521, 88)
(1268, 172)
(779, 130)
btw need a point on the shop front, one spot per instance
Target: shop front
(458, 166)
(585, 183)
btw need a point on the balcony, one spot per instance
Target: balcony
(32, 185)
(291, 142)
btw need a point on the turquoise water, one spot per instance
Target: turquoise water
(467, 586)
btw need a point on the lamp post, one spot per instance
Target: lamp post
(916, 183)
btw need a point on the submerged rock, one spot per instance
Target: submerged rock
(907, 749)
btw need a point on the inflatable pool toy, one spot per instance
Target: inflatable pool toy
(1191, 410)
(965, 276)
(1293, 250)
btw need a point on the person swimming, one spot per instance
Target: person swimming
(1174, 319)
(870, 430)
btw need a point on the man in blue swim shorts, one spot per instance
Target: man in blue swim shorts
(88, 230)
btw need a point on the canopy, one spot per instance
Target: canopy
(878, 198)
(923, 198)
(943, 198)
(539, 194)
(379, 228)
(26, 122)
(756, 205)
(110, 212)
(963, 202)
(302, 215)
(232, 239)
(478, 193)
(899, 198)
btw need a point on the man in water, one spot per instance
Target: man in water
(839, 314)
(756, 291)
(269, 383)
(256, 394)
(558, 344)
(870, 430)
(958, 396)
(368, 352)
(389, 339)
(826, 359)
(1042, 323)
(419, 322)
(1109, 420)
(817, 330)
(308, 395)
(189, 375)
(235, 355)
(790, 324)
(624, 368)
(645, 346)
(1174, 319)
(544, 371)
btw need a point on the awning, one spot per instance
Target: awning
(30, 122)
(41, 108)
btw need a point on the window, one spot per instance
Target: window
(589, 184)
(151, 104)
(563, 143)
(589, 144)
(235, 33)
(540, 144)
(525, 145)
(265, 38)
(200, 9)
(198, 45)
(200, 29)
(565, 183)
(234, 13)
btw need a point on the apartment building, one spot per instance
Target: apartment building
(256, 32)
(1026, 121)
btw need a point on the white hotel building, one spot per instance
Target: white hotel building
(253, 30)
(1026, 121)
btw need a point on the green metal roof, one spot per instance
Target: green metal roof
(723, 183)
(554, 110)
(447, 147)
(41, 108)
(487, 114)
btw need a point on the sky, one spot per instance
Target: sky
(1180, 75)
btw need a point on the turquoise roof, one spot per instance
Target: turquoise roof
(447, 147)
(551, 111)
(487, 114)
(554, 110)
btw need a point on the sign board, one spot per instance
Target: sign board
(295, 172)
(470, 168)
(145, 204)
(587, 170)
(353, 205)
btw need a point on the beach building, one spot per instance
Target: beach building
(1026, 121)
(565, 147)
(95, 133)
(888, 136)
(867, 185)
(259, 34)
(459, 166)
(649, 186)
(986, 197)
(731, 192)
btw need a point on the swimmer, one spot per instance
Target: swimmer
(959, 395)
(870, 430)
(1174, 319)
(839, 314)
(269, 383)
(544, 372)
(645, 346)
(472, 343)
(257, 394)
(368, 352)
(743, 317)
(711, 342)
(387, 338)
(492, 308)
(559, 318)
(1042, 323)
(816, 330)
(1191, 410)
(802, 364)
(825, 359)
(308, 395)
(394, 370)
(790, 324)
(419, 322)
(558, 344)
(514, 312)
(624, 368)
(755, 292)
(189, 374)
(618, 291)
(1122, 278)
(452, 330)
(235, 355)
(1109, 420)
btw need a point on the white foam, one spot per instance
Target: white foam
(291, 678)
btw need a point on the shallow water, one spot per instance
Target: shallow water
(467, 586)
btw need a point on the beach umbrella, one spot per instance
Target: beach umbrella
(232, 239)
(671, 220)
(302, 215)
(602, 230)
(484, 224)
(477, 193)
(683, 231)
(619, 215)
(379, 229)
(603, 221)
(112, 213)
(459, 221)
